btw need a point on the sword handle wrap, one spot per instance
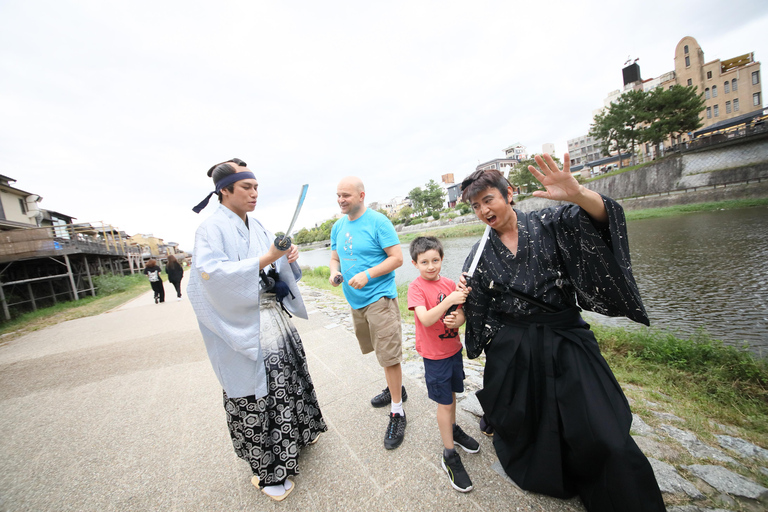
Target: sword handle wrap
(283, 242)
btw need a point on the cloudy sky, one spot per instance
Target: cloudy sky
(114, 111)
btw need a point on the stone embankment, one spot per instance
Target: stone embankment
(694, 476)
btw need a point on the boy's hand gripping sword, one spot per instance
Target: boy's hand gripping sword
(473, 266)
(283, 242)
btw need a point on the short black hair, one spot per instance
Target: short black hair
(483, 179)
(222, 170)
(422, 244)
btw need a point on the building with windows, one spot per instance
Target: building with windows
(731, 87)
(512, 155)
(18, 209)
(584, 149)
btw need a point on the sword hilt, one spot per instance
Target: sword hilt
(283, 242)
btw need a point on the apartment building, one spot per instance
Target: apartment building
(584, 149)
(731, 87)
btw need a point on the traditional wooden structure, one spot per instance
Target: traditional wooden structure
(40, 266)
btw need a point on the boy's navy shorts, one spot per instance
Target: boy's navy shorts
(444, 378)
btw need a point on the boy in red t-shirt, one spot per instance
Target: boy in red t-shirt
(437, 341)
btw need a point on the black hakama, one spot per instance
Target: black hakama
(561, 421)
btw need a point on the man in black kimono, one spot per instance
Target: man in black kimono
(561, 422)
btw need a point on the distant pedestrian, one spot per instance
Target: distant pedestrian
(437, 340)
(152, 271)
(255, 350)
(366, 241)
(175, 274)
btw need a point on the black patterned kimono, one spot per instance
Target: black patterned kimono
(561, 422)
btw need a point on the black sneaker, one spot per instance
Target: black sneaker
(385, 398)
(395, 431)
(460, 438)
(456, 472)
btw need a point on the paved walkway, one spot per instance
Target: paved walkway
(122, 411)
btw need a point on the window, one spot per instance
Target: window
(709, 112)
(727, 86)
(22, 205)
(756, 100)
(709, 75)
(714, 91)
(690, 82)
(685, 49)
(734, 85)
(706, 93)
(755, 77)
(727, 107)
(736, 104)
(717, 110)
(687, 61)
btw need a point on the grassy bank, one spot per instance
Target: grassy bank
(669, 211)
(112, 291)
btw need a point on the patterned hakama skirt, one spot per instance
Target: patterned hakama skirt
(269, 432)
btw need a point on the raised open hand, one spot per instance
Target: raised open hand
(560, 185)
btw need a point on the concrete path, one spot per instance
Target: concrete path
(122, 411)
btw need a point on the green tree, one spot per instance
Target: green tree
(520, 176)
(434, 196)
(608, 127)
(631, 110)
(417, 200)
(672, 112)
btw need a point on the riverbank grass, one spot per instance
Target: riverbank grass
(112, 291)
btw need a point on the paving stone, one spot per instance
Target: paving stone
(653, 448)
(471, 404)
(640, 427)
(694, 508)
(695, 447)
(742, 447)
(728, 482)
(667, 416)
(671, 482)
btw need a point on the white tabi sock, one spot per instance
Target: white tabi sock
(397, 408)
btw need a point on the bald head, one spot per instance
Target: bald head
(350, 194)
(352, 182)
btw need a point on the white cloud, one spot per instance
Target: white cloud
(114, 111)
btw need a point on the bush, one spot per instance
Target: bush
(111, 283)
(436, 215)
(324, 272)
(416, 221)
(465, 208)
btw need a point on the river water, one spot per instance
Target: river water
(700, 270)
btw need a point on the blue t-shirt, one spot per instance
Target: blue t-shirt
(360, 245)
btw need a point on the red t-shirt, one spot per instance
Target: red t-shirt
(435, 341)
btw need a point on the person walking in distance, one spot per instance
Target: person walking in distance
(365, 241)
(152, 271)
(175, 274)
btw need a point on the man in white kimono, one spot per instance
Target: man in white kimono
(248, 336)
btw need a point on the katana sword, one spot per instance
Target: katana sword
(480, 247)
(475, 261)
(283, 242)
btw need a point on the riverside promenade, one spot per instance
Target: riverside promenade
(122, 412)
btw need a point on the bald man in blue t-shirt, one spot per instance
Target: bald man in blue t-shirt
(365, 241)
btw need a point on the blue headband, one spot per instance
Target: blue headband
(225, 182)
